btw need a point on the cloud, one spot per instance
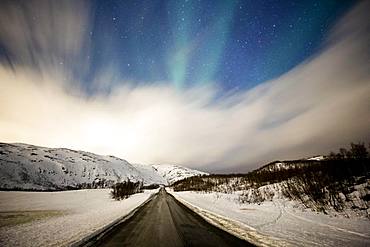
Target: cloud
(316, 107)
(46, 36)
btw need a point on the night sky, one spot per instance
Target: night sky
(234, 44)
(217, 85)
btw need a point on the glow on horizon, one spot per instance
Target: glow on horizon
(318, 106)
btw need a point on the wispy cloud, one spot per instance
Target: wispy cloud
(316, 107)
(48, 37)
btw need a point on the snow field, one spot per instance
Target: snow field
(82, 213)
(277, 222)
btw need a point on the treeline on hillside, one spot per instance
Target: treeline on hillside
(125, 189)
(97, 184)
(343, 166)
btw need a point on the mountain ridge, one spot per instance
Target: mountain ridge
(29, 167)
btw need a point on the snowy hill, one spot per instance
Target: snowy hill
(324, 184)
(173, 173)
(290, 164)
(24, 166)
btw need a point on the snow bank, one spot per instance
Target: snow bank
(280, 220)
(82, 213)
(350, 202)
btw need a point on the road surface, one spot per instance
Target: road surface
(166, 222)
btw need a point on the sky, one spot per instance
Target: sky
(221, 86)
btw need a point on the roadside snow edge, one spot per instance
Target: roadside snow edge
(235, 228)
(100, 233)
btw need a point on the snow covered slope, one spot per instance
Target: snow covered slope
(173, 173)
(24, 166)
(30, 167)
(150, 173)
(291, 164)
(278, 222)
(288, 164)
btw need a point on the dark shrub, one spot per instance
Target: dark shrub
(124, 190)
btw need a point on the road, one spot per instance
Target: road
(164, 221)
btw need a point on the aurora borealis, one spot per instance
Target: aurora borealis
(196, 42)
(233, 44)
(216, 85)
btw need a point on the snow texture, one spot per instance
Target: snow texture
(173, 173)
(81, 213)
(29, 167)
(277, 222)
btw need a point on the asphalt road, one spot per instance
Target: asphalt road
(164, 221)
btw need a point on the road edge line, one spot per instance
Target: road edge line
(91, 239)
(250, 234)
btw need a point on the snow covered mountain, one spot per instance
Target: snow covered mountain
(173, 173)
(290, 164)
(24, 166)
